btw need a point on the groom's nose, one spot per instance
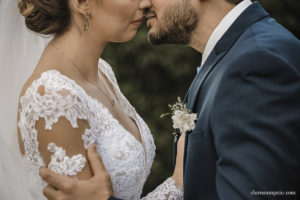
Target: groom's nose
(145, 4)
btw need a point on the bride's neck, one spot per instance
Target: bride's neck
(80, 50)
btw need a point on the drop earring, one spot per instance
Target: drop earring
(86, 22)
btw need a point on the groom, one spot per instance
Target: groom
(246, 143)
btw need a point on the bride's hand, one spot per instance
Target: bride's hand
(178, 171)
(62, 187)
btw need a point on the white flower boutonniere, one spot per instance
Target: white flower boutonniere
(183, 119)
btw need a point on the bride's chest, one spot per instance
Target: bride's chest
(126, 159)
(118, 147)
(115, 108)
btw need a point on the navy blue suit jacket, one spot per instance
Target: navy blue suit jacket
(247, 97)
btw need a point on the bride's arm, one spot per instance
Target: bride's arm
(51, 125)
(50, 115)
(172, 188)
(96, 188)
(65, 136)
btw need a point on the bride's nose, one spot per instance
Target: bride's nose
(145, 4)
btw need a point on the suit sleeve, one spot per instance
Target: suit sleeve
(256, 127)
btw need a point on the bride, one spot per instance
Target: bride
(72, 100)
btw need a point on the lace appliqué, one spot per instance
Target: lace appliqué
(166, 191)
(127, 161)
(63, 164)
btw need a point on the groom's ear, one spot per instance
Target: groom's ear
(79, 6)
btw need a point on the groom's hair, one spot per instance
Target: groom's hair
(234, 1)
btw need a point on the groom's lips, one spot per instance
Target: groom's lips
(149, 18)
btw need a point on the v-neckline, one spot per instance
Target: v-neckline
(142, 143)
(118, 98)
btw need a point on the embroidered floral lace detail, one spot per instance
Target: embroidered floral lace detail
(63, 164)
(148, 142)
(166, 191)
(127, 161)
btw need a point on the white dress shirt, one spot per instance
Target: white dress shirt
(223, 26)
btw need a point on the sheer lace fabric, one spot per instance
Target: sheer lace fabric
(127, 161)
(167, 190)
(63, 164)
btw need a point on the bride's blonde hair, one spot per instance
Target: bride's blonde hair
(48, 17)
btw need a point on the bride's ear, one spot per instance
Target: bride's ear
(80, 6)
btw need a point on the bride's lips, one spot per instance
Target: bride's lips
(137, 22)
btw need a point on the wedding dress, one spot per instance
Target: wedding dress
(126, 159)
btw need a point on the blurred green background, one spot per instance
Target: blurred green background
(152, 77)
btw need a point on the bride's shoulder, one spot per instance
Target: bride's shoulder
(103, 62)
(51, 80)
(106, 68)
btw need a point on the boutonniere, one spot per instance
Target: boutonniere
(183, 119)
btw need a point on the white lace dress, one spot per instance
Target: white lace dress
(127, 161)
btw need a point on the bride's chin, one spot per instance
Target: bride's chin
(127, 37)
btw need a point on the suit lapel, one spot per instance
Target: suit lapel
(252, 14)
(211, 61)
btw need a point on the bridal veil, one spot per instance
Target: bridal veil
(19, 54)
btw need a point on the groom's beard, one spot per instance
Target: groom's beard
(178, 22)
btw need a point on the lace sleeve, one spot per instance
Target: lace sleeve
(166, 191)
(63, 164)
(44, 103)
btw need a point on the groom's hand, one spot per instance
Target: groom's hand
(62, 187)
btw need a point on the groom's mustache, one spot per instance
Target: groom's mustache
(148, 13)
(146, 10)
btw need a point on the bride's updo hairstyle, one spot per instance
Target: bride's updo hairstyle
(48, 17)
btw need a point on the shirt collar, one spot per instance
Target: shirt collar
(223, 26)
